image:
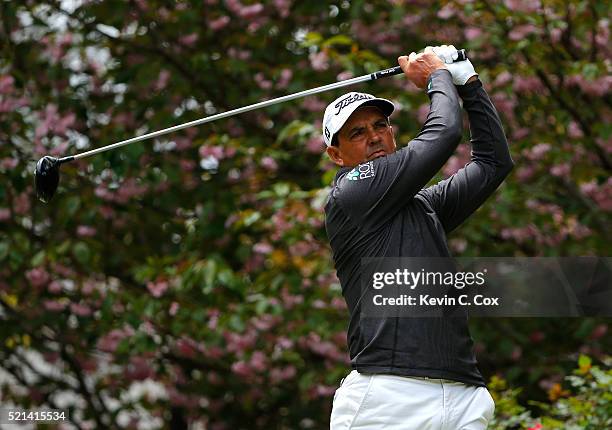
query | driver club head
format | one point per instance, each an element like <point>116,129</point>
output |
<point>46,177</point>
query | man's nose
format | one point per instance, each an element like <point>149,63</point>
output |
<point>372,135</point>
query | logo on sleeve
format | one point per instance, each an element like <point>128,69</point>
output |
<point>362,171</point>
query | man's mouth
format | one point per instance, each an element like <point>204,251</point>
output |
<point>379,153</point>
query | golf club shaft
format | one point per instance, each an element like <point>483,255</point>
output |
<point>369,77</point>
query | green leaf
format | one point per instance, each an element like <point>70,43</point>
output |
<point>81,252</point>
<point>4,248</point>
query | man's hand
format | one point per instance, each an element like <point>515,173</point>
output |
<point>462,71</point>
<point>418,67</point>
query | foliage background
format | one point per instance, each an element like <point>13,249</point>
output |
<point>188,279</point>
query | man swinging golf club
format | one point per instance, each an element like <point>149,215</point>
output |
<point>409,373</point>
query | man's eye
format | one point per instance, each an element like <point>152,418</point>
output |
<point>380,125</point>
<point>357,133</point>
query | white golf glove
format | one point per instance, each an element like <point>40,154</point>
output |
<point>461,71</point>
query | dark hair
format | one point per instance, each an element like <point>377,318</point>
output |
<point>334,141</point>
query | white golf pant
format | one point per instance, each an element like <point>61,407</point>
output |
<point>409,403</point>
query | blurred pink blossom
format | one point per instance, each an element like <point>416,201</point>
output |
<point>240,368</point>
<point>446,12</point>
<point>521,31</point>
<point>319,61</point>
<point>283,7</point>
<point>80,309</point>
<point>528,84</point>
<point>278,375</point>
<point>162,80</point>
<point>219,23</point>
<point>269,163</point>
<point>258,361</point>
<point>284,78</point>
<point>8,163</point>
<point>262,82</point>
<point>54,305</point>
<point>6,84</point>
<point>157,289</point>
<point>86,231</point>
<point>457,161</point>
<point>472,33</point>
<point>174,307</point>
<point>138,369</point>
<point>110,341</point>
<point>263,248</point>
<point>251,11</point>
<point>21,204</point>
<point>5,214</point>
<point>314,104</point>
<point>38,277</point>
<point>54,287</point>
<point>189,39</point>
<point>560,170</point>
<point>574,131</point>
<point>525,6</point>
<point>502,79</point>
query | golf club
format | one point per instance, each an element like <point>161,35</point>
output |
<point>46,174</point>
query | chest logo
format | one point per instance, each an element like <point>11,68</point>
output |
<point>362,171</point>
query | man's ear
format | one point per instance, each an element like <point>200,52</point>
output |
<point>334,153</point>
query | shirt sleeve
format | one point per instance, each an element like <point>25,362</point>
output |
<point>375,191</point>
<point>458,196</point>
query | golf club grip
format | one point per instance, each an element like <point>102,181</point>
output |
<point>398,70</point>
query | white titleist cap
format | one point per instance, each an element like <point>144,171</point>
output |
<point>338,111</point>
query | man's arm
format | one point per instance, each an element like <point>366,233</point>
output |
<point>397,177</point>
<point>457,197</point>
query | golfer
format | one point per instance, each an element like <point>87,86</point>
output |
<point>409,373</point>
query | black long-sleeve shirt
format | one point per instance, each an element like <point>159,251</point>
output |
<point>380,209</point>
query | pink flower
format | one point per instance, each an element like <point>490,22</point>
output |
<point>574,131</point>
<point>157,289</point>
<point>6,84</point>
<point>242,369</point>
<point>54,287</point>
<point>188,40</point>
<point>21,204</point>
<point>138,369</point>
<point>219,23</point>
<point>472,33</point>
<point>503,78</point>
<point>162,80</point>
<point>174,307</point>
<point>38,277</point>
<point>284,79</point>
<point>525,6</point>
<point>522,31</point>
<point>258,361</point>
<point>446,12</point>
<point>315,145</point>
<point>251,11</point>
<point>269,163</point>
<point>110,341</point>
<point>80,310</point>
<point>86,231</point>
<point>263,248</point>
<point>54,305</point>
<point>319,61</point>
<point>283,7</point>
<point>560,170</point>
<point>262,82</point>
<point>5,214</point>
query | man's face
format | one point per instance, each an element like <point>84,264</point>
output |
<point>364,136</point>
